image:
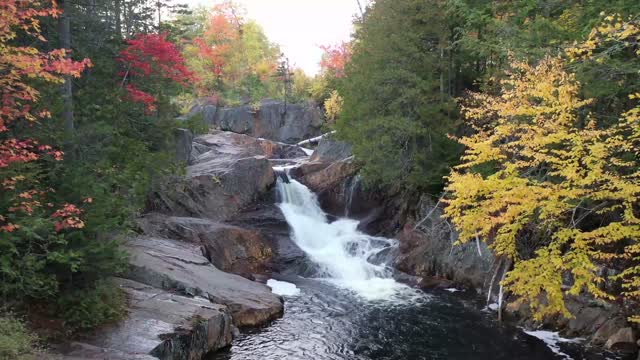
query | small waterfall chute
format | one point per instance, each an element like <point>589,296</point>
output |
<point>339,248</point>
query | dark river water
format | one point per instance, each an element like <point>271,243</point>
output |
<point>325,322</point>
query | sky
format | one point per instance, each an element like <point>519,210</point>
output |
<point>300,26</point>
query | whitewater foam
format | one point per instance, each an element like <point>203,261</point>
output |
<point>283,288</point>
<point>339,248</point>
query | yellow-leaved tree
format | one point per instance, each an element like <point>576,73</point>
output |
<point>549,186</point>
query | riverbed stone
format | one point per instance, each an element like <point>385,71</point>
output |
<point>159,325</point>
<point>624,340</point>
<point>180,266</point>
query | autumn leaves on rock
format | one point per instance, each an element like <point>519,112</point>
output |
<point>548,183</point>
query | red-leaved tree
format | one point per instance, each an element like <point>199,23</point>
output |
<point>147,59</point>
<point>19,67</point>
<point>335,58</point>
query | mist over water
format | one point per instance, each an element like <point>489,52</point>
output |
<point>342,252</point>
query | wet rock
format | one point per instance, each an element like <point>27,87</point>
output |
<point>433,282</point>
<point>328,181</point>
<point>518,308</point>
<point>240,251</point>
<point>624,340</point>
<point>589,316</point>
<point>269,120</point>
<point>180,266</point>
<point>160,325</point>
<point>330,176</point>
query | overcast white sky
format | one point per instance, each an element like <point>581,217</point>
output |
<point>300,26</point>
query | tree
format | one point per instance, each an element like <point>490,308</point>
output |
<point>41,235</point>
<point>394,114</point>
<point>548,184</point>
<point>152,58</point>
<point>333,106</point>
<point>335,58</point>
<point>20,64</point>
<point>286,76</point>
<point>232,57</point>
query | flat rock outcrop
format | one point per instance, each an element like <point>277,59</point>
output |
<point>160,325</point>
<point>230,248</point>
<point>180,266</point>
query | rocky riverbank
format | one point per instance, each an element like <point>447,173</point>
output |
<point>193,265</point>
<point>428,251</point>
<point>212,237</point>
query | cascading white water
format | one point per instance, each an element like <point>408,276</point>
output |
<point>342,252</point>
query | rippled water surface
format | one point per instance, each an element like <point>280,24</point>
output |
<point>326,322</point>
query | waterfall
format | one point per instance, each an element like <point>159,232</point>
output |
<point>342,252</point>
<point>349,190</point>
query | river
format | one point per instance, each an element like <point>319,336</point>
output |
<point>353,309</point>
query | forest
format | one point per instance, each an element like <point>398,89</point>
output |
<point>522,117</point>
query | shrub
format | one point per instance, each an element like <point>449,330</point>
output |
<point>16,342</point>
<point>85,309</point>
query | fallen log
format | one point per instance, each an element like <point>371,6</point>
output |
<point>315,140</point>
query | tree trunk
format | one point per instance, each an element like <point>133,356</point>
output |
<point>117,7</point>
<point>361,10</point>
<point>159,5</point>
<point>64,29</point>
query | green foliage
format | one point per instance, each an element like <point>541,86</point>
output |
<point>196,124</point>
<point>16,342</point>
<point>84,309</point>
<point>397,110</point>
<point>111,161</point>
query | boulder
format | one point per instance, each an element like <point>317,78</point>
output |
<point>237,250</point>
<point>331,150</point>
<point>329,177</point>
<point>287,258</point>
<point>624,340</point>
<point>331,182</point>
<point>607,330</point>
<point>269,120</point>
<point>180,266</point>
<point>228,172</point>
<point>229,248</point>
<point>215,189</point>
<point>160,325</point>
<point>589,316</point>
